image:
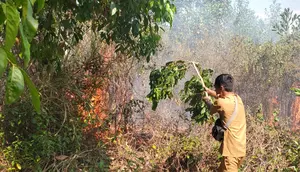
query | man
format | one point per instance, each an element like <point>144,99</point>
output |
<point>233,147</point>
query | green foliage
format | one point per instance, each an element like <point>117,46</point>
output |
<point>33,92</point>
<point>297,91</point>
<point>131,23</point>
<point>15,85</point>
<point>24,22</point>
<point>163,81</point>
<point>185,153</point>
<point>193,94</point>
<point>3,61</point>
<point>289,23</point>
<point>293,154</point>
<point>12,24</point>
<point>25,46</point>
<point>32,140</point>
<point>134,26</point>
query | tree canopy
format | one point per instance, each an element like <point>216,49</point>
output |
<point>43,30</point>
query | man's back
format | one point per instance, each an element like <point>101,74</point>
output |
<point>234,144</point>
<point>233,147</point>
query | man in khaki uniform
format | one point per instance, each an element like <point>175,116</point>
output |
<point>233,147</point>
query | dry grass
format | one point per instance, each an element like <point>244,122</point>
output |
<point>163,146</point>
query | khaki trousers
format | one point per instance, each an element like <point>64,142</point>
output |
<point>230,164</point>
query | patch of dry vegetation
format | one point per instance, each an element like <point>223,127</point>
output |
<point>164,146</point>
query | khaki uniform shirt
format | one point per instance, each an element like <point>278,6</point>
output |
<point>234,143</point>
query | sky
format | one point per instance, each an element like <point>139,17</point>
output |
<point>259,5</point>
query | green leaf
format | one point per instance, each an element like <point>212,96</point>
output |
<point>170,13</point>
<point>25,46</point>
<point>101,164</point>
<point>24,9</point>
<point>146,22</point>
<point>3,8</point>
<point>156,28</point>
<point>12,24</point>
<point>30,24</point>
<point>154,105</point>
<point>296,90</point>
<point>11,57</point>
<point>3,61</point>
<point>2,14</point>
<point>41,4</point>
<point>32,1</point>
<point>151,3</point>
<point>18,3</point>
<point>135,28</point>
<point>35,97</point>
<point>14,85</point>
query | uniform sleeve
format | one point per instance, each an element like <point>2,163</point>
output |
<point>216,107</point>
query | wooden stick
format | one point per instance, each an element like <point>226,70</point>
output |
<point>202,82</point>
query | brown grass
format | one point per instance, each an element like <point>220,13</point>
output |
<point>163,146</point>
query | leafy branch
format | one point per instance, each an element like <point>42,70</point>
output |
<point>289,23</point>
<point>163,81</point>
<point>20,25</point>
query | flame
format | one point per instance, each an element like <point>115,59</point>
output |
<point>296,114</point>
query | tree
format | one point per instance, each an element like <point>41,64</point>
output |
<point>132,25</point>
<point>197,18</point>
<point>273,17</point>
<point>289,25</point>
<point>245,23</point>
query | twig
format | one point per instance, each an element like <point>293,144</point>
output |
<point>65,117</point>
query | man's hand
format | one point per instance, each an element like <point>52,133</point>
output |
<point>208,101</point>
<point>211,92</point>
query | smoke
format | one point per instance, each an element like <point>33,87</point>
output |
<point>210,32</point>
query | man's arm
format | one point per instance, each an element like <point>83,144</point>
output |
<point>208,102</point>
<point>213,107</point>
<point>211,92</point>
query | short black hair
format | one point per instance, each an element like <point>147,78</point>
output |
<point>225,80</point>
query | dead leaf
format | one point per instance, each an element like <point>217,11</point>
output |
<point>61,157</point>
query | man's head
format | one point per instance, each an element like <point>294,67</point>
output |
<point>224,83</point>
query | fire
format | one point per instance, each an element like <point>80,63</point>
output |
<point>296,114</point>
<point>296,110</point>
